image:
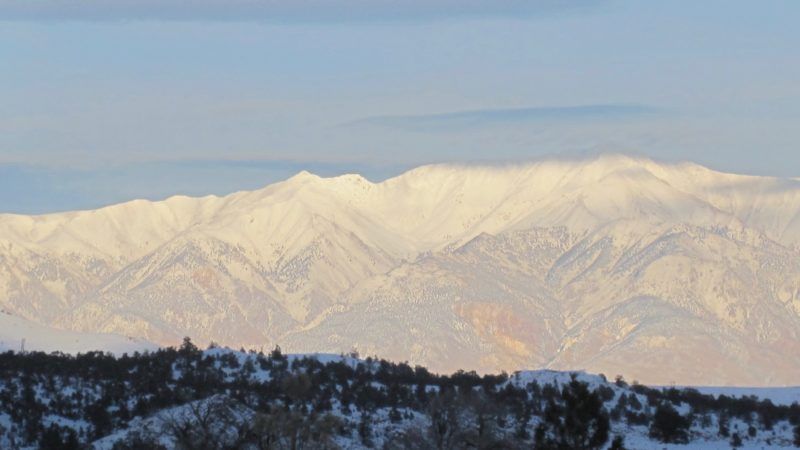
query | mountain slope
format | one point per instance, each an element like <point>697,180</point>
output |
<point>611,264</point>
<point>18,334</point>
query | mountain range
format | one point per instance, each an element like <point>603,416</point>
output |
<point>663,272</point>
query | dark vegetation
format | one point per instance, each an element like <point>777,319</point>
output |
<point>191,399</point>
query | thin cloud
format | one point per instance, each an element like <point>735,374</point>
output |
<point>279,10</point>
<point>490,117</point>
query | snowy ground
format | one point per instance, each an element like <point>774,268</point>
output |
<point>239,367</point>
<point>17,333</point>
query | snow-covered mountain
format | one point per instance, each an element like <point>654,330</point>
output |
<point>662,272</point>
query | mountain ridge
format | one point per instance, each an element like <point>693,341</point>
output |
<point>452,266</point>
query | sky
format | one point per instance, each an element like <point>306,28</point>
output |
<point>106,101</point>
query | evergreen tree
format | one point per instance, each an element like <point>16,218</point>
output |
<point>618,443</point>
<point>797,435</point>
<point>581,423</point>
<point>365,429</point>
<point>736,441</point>
<point>669,426</point>
<point>51,439</point>
<point>723,426</point>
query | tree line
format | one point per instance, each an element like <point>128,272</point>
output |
<point>217,399</point>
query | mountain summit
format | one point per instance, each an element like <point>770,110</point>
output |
<point>661,272</point>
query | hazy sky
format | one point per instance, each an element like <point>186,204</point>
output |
<point>103,101</point>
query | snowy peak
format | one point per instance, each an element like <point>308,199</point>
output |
<point>438,203</point>
<point>590,263</point>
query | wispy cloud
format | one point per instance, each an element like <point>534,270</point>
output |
<point>489,117</point>
<point>279,10</point>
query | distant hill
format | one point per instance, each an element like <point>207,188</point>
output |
<point>18,334</point>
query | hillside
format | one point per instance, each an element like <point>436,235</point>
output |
<point>667,273</point>
<point>221,399</point>
<point>21,335</point>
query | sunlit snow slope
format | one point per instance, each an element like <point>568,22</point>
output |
<point>662,272</point>
<point>18,334</point>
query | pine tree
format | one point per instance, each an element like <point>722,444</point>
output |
<point>581,423</point>
<point>736,441</point>
<point>723,426</point>
<point>51,439</point>
<point>669,426</point>
<point>365,429</point>
<point>797,435</point>
<point>618,443</point>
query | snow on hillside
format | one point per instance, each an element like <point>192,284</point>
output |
<point>231,399</point>
<point>18,334</point>
<point>614,264</point>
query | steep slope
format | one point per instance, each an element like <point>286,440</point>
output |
<point>678,305</point>
<point>611,264</point>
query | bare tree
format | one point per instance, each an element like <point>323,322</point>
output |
<point>285,429</point>
<point>210,424</point>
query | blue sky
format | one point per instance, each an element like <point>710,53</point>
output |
<point>102,101</point>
